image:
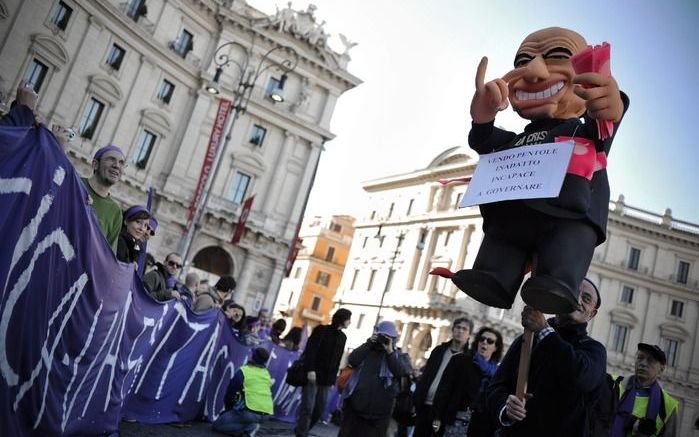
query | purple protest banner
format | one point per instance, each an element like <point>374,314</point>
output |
<point>82,343</point>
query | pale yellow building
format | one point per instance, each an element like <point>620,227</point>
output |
<point>307,295</point>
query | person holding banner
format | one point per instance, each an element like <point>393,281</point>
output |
<point>216,296</point>
<point>248,398</point>
<point>22,108</point>
<point>236,316</point>
<point>558,235</point>
<point>133,233</point>
<point>162,281</point>
<point>108,166</point>
<point>567,369</point>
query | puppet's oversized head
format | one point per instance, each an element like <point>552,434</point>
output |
<point>540,85</point>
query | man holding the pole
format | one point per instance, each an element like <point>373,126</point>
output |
<point>567,368</point>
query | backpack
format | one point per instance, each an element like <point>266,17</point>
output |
<point>404,408</point>
<point>296,374</point>
<point>601,410</point>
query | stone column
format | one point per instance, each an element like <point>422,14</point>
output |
<point>424,270</point>
<point>304,188</point>
<point>242,295</point>
<point>276,177</point>
<point>185,171</point>
<point>274,285</point>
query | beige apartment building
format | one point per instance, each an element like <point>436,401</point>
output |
<point>135,73</point>
<point>306,296</point>
<point>647,270</point>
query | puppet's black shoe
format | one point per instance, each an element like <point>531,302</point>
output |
<point>549,295</point>
<point>484,288</point>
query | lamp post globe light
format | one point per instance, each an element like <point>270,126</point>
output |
<point>279,57</point>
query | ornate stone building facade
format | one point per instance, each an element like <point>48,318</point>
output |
<point>307,295</point>
<point>134,73</point>
<point>647,271</point>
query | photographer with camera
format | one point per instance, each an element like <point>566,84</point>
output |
<point>373,386</point>
<point>645,409</point>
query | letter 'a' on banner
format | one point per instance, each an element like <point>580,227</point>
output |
<point>527,172</point>
<point>240,227</point>
<point>224,108</point>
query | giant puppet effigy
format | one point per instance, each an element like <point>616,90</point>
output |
<point>565,88</point>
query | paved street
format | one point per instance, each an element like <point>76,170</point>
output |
<point>271,428</point>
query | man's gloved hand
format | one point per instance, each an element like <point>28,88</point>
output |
<point>311,376</point>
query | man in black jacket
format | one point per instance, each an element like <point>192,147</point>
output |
<point>428,385</point>
<point>566,371</point>
<point>321,359</point>
<point>162,281</point>
<point>371,392</point>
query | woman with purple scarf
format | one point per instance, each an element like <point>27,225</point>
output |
<point>645,409</point>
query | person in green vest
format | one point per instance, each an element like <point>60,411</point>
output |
<point>108,166</point>
<point>248,397</point>
<point>645,409</point>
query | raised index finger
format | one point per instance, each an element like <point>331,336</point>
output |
<point>510,75</point>
<point>480,73</point>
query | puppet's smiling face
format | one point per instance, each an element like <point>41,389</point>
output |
<point>540,85</point>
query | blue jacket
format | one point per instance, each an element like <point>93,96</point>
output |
<point>566,371</point>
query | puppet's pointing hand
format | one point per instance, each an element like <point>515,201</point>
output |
<point>601,95</point>
<point>489,98</point>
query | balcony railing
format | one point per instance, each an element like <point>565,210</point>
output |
<point>313,315</point>
<point>665,220</point>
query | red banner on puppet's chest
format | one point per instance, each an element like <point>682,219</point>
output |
<point>586,160</point>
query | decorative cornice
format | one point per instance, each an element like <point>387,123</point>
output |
<point>640,226</point>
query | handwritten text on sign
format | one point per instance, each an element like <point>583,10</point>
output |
<point>527,172</point>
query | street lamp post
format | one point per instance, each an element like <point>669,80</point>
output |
<point>248,76</point>
<point>389,278</point>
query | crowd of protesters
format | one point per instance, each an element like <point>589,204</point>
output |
<point>467,387</point>
<point>462,390</point>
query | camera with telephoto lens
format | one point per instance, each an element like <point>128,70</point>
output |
<point>383,339</point>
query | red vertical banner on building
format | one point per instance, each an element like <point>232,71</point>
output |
<point>240,227</point>
<point>224,108</point>
<point>291,257</point>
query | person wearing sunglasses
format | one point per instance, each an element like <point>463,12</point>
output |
<point>487,348</point>
<point>462,383</point>
<point>161,282</point>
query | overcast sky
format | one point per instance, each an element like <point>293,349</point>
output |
<point>418,60</point>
